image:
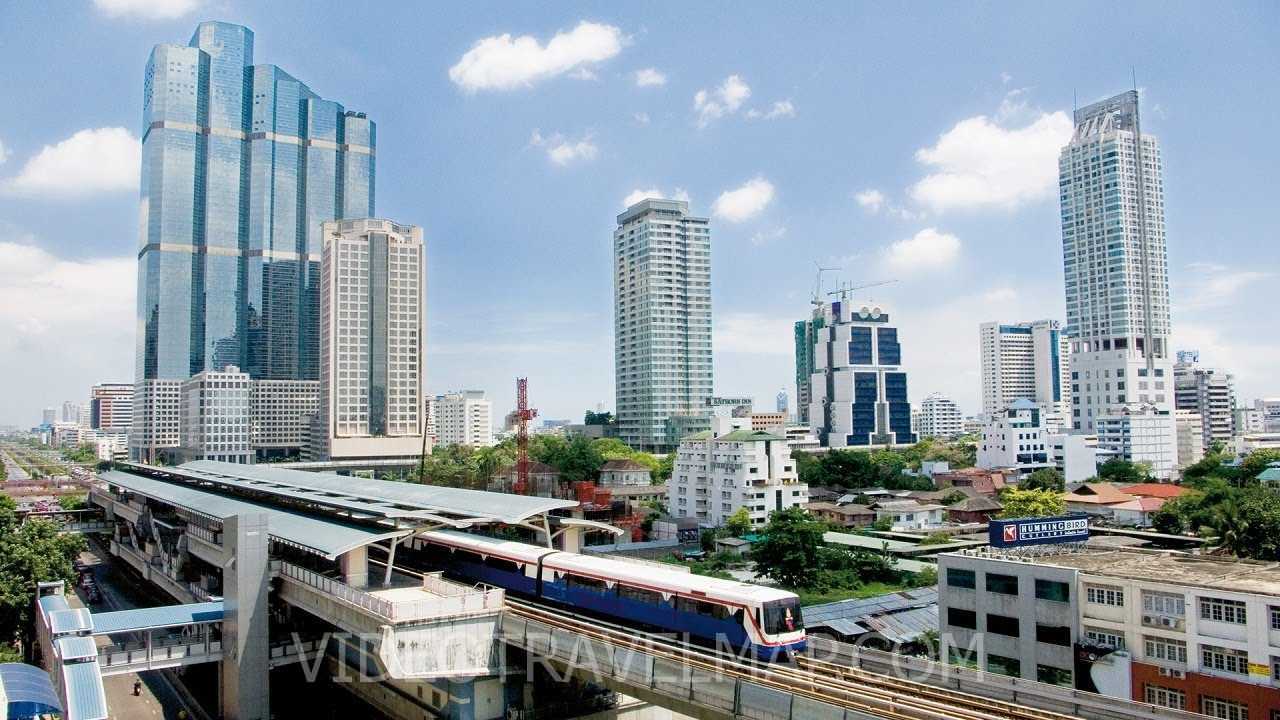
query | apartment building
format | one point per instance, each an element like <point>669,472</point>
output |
<point>1187,632</point>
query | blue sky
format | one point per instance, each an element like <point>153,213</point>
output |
<point>915,142</point>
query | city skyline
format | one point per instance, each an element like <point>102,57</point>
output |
<point>916,207</point>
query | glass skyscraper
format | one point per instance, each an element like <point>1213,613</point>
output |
<point>1115,261</point>
<point>241,164</point>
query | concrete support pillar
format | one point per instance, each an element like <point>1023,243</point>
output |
<point>355,567</point>
<point>571,539</point>
<point>245,660</point>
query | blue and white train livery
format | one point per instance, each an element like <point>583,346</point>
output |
<point>764,620</point>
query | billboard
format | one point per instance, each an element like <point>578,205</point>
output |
<point>1038,531</point>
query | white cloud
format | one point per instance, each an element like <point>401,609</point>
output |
<point>562,151</point>
<point>584,74</point>
<point>503,62</point>
<point>1213,285</point>
<point>870,200</point>
<point>753,333</point>
<point>745,202</point>
<point>725,100</point>
<point>980,163</point>
<point>654,193</point>
<point>147,9</point>
<point>927,249</point>
<point>780,109</point>
<point>764,237</point>
<point>99,160</point>
<point>650,77</point>
<point>641,118</point>
<point>4,153</point>
<point>64,325</point>
<point>1005,78</point>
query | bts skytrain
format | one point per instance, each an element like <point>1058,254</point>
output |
<point>763,620</point>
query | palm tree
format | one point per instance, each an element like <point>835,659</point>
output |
<point>1232,528</point>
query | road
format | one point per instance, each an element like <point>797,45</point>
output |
<point>157,698</point>
<point>12,469</point>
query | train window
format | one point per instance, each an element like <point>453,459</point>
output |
<point>635,594</point>
<point>585,583</point>
<point>782,616</point>
<point>701,607</point>
<point>502,564</point>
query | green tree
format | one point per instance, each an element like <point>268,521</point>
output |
<point>1020,503</point>
<point>789,551</point>
<point>707,541</point>
<point>29,553</point>
<point>739,523</point>
<point>1044,479</point>
<point>953,497</point>
<point>1255,463</point>
<point>1256,524</point>
<point>597,418</point>
<point>1123,471</point>
<point>665,467</point>
<point>73,502</point>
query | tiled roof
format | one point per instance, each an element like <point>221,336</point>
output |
<point>1098,494</point>
<point>623,465</point>
<point>1155,490</point>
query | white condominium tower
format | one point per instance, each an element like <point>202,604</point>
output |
<point>939,418</point>
<point>463,418</point>
<point>662,320</point>
<point>1116,267</point>
<point>1025,361</point>
<point>371,342</point>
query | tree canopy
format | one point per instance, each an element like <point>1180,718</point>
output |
<point>29,553</point>
<point>788,553</point>
<point>855,469</point>
<point>1122,471</point>
<point>1044,479</point>
<point>1019,503</point>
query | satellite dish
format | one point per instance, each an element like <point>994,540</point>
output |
<point>875,313</point>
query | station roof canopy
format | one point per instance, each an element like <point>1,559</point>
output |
<point>372,498</point>
<point>27,691</point>
<point>329,537</point>
<point>157,617</point>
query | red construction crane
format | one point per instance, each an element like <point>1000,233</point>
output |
<point>523,415</point>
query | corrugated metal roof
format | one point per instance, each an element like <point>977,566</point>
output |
<point>86,698</point>
<point>321,535</point>
<point>76,647</point>
<point>29,688</point>
<point>74,620</point>
<point>157,617</point>
<point>53,603</point>
<point>502,507</point>
<point>898,617</point>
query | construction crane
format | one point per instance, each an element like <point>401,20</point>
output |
<point>846,290</point>
<point>524,414</point>
<point>817,285</point>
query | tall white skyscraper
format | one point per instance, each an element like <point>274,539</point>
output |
<point>373,276</point>
<point>1025,361</point>
<point>463,418</point>
<point>1116,267</point>
<point>939,418</point>
<point>662,321</point>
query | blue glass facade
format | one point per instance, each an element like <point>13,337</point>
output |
<point>895,393</point>
<point>240,166</point>
<point>865,395</point>
<point>887,346</point>
<point>860,346</point>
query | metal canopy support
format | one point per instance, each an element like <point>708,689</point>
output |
<point>391,560</point>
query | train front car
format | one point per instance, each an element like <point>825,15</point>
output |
<point>722,614</point>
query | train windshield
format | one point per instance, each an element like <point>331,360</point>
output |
<point>782,616</point>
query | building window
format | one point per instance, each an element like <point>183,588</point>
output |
<point>1103,638</point>
<point>1165,697</point>
<point>1002,665</point>
<point>1164,649</point>
<point>963,658</point>
<point>1104,595</point>
<point>1227,611</point>
<point>1223,659</point>
<point>1053,590</point>
<point>1275,667</point>
<point>1053,675</point>
<point>962,618</point>
<point>1275,617</point>
<point>1002,625</point>
<point>961,578</point>
<point>1225,709</point>
<point>1053,634</point>
<point>1003,584</point>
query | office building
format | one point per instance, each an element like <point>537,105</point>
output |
<point>939,418</point>
<point>730,467</point>
<point>1025,361</point>
<point>1016,439</point>
<point>48,417</point>
<point>1190,433</point>
<point>373,277</point>
<point>1248,420</point>
<point>111,406</point>
<point>1140,434</point>
<point>280,416</point>
<point>1074,455</point>
<point>806,344</point>
<point>782,403</point>
<point>1115,263</point>
<point>662,320</point>
<point>1208,392</point>
<point>859,390</point>
<point>464,418</point>
<point>214,416</point>
<point>70,412</point>
<point>1187,632</point>
<point>157,421</point>
<point>241,163</point>
<point>1269,409</point>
